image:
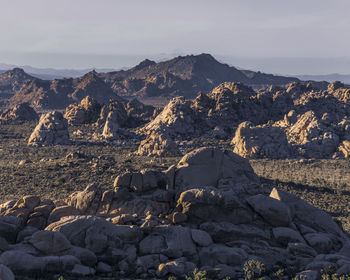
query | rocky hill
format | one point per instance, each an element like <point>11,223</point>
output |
<point>184,75</point>
<point>11,81</point>
<point>181,76</point>
<point>59,93</point>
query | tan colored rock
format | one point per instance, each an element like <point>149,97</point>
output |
<point>119,116</point>
<point>62,211</point>
<point>20,112</point>
<point>52,129</point>
<point>344,149</point>
<point>313,136</point>
<point>112,128</point>
<point>87,111</point>
<point>177,118</point>
<point>259,142</point>
<point>158,144</point>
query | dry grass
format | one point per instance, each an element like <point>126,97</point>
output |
<point>323,183</point>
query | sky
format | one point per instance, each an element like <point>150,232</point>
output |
<point>278,36</point>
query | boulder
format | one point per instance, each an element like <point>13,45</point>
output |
<point>273,211</point>
<point>52,129</point>
<point>6,273</point>
<point>260,142</point>
<point>49,242</point>
<point>177,118</point>
<point>158,144</point>
<point>207,166</point>
<point>80,230</point>
<point>85,112</point>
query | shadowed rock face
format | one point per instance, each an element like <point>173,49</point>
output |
<point>52,129</point>
<point>207,211</point>
<point>21,112</point>
<point>58,94</point>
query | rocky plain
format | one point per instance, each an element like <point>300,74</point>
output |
<point>185,169</point>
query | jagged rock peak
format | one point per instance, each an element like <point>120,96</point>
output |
<point>143,64</point>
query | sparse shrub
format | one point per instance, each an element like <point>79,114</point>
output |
<point>172,277</point>
<point>197,275</point>
<point>279,274</point>
<point>253,269</point>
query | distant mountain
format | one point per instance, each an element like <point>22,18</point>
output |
<point>150,81</point>
<point>50,73</point>
<point>329,78</point>
<point>184,75</point>
<point>59,93</point>
<point>11,81</point>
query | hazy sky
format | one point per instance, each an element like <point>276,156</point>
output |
<point>113,33</point>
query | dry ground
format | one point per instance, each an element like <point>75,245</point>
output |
<point>48,173</point>
<point>323,183</point>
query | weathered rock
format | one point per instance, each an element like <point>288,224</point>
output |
<point>272,210</point>
<point>286,235</point>
<point>260,142</point>
<point>49,242</point>
<point>62,211</point>
<point>313,136</point>
<point>6,273</point>
<point>86,112</point>
<point>201,238</point>
<point>20,112</point>
<point>80,229</point>
<point>52,129</point>
<point>117,111</point>
<point>207,166</point>
<point>9,227</point>
<point>221,254</point>
<point>23,263</point>
<point>158,144</point>
<point>177,118</point>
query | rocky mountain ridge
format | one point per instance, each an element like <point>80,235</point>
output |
<point>181,76</point>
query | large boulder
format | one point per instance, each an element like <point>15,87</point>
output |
<point>158,144</point>
<point>85,112</point>
<point>95,233</point>
<point>177,118</point>
<point>259,142</point>
<point>213,167</point>
<point>120,115</point>
<point>52,129</point>
<point>312,136</point>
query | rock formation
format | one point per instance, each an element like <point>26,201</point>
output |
<point>112,106</point>
<point>86,112</point>
<point>177,118</point>
<point>21,112</point>
<point>313,136</point>
<point>261,142</point>
<point>207,212</point>
<point>52,129</point>
<point>157,144</point>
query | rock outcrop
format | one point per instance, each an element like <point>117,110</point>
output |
<point>157,144</point>
<point>86,112</point>
<point>208,212</point>
<point>21,112</point>
<point>261,142</point>
<point>52,129</point>
<point>177,118</point>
